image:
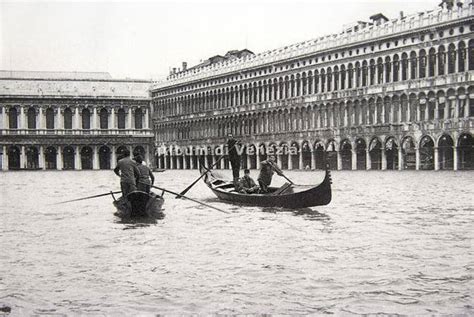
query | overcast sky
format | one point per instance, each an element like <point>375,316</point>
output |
<point>145,39</point>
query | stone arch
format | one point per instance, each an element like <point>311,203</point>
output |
<point>319,154</point>
<point>465,145</point>
<point>331,154</point>
<point>375,153</point>
<point>32,157</point>
<point>408,153</point>
<point>31,115</point>
<point>13,157</point>
<point>445,152</point>
<point>426,149</point>
<point>50,156</point>
<point>391,153</point>
<point>306,152</point>
<point>86,119</point>
<point>68,158</point>
<point>104,157</point>
<point>361,154</point>
<point>346,154</point>
<point>86,158</point>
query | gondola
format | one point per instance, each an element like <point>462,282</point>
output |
<point>139,204</point>
<point>287,196</point>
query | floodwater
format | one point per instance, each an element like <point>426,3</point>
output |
<point>389,243</point>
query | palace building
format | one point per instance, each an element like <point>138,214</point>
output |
<point>382,94</point>
<point>71,121</point>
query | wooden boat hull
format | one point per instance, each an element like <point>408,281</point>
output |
<point>139,204</point>
<point>296,196</point>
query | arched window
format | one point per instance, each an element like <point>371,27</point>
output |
<point>451,59</point>
<point>104,119</point>
<point>31,118</point>
<point>431,62</point>
<point>414,65</point>
<point>461,57</point>
<point>422,64</point>
<point>67,118</point>
<point>404,66</point>
<point>471,55</point>
<point>396,68</point>
<point>441,60</point>
<point>86,119</point>
<point>13,118</point>
<point>50,118</point>
<point>138,119</point>
<point>372,72</point>
<point>364,73</point>
<point>388,69</point>
<point>121,119</point>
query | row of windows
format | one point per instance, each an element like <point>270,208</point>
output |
<point>31,115</point>
<point>402,67</point>
<point>418,39</point>
<point>387,111</point>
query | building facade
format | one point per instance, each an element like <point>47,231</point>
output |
<point>385,94</point>
<point>71,121</point>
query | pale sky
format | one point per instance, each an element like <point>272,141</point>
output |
<point>145,39</point>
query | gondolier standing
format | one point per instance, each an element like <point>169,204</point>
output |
<point>268,167</point>
<point>128,172</point>
<point>234,157</point>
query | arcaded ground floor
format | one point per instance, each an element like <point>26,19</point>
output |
<point>66,157</point>
<point>426,152</point>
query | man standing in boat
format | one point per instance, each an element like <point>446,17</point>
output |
<point>267,169</point>
<point>128,172</point>
<point>146,178</point>
<point>234,157</point>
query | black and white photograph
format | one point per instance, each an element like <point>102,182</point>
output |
<point>237,157</point>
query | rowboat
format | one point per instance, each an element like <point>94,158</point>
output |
<point>287,196</point>
<point>139,204</point>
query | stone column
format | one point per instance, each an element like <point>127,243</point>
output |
<point>4,154</point>
<point>313,160</point>
<point>41,161</point>
<point>95,157</point>
<point>3,122</point>
<point>400,159</point>
<point>384,159</point>
<point>248,161</point>
<point>76,119</point>
<point>22,157</point>
<point>436,158</point>
<point>185,162</point>
<point>112,124</point>
<point>77,158</point>
<point>339,160</point>
<point>94,118</point>
<point>368,160</point>
<point>417,158</point>
<point>59,158</point>
<point>165,161</point>
<point>22,120</point>
<point>147,156</point>
<point>258,161</point>
<point>279,163</point>
<point>354,159</point>
<point>41,120</point>
<point>172,163</point>
<point>290,161</point>
<point>129,119</point>
<point>146,121</point>
<point>455,158</point>
<point>113,158</point>
<point>301,159</point>
<point>60,123</point>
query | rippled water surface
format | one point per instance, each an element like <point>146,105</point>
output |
<point>390,242</point>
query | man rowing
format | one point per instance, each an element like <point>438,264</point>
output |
<point>267,169</point>
<point>146,178</point>
<point>128,172</point>
<point>234,157</point>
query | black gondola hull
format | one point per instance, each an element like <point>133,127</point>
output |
<point>139,205</point>
<point>296,197</point>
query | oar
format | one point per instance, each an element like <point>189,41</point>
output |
<point>191,199</point>
<point>202,175</point>
<point>281,174</point>
<point>88,197</point>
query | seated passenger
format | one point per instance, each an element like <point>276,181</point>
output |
<point>247,184</point>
